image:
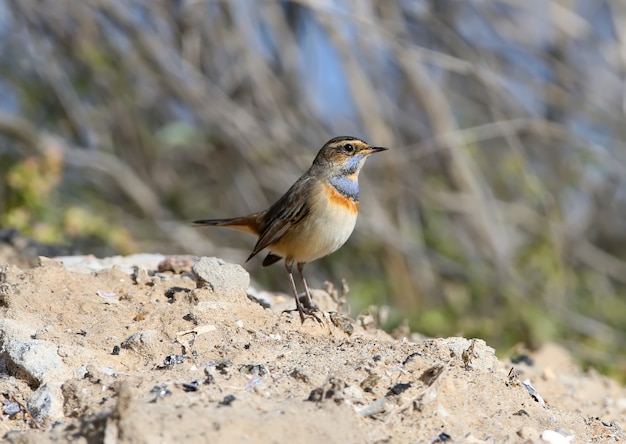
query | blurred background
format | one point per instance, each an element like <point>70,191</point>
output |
<point>498,211</point>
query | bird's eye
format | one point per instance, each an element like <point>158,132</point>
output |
<point>348,148</point>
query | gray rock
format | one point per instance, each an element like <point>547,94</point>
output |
<point>482,356</point>
<point>48,262</point>
<point>353,392</point>
<point>34,360</point>
<point>143,342</point>
<point>46,403</point>
<point>220,280</point>
<point>80,372</point>
<point>10,329</point>
<point>6,291</point>
<point>109,371</point>
<point>127,264</point>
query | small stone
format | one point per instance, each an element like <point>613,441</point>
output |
<point>353,392</point>
<point>47,262</point>
<point>374,408</point>
<point>10,329</point>
<point>35,361</point>
<point>177,263</point>
<point>209,372</point>
<point>443,437</point>
<point>254,369</point>
<point>139,275</point>
<point>6,290</point>
<point>553,437</point>
<point>222,365</point>
<point>190,387</point>
<point>398,388</point>
<point>109,371</point>
<point>409,358</point>
<point>46,403</point>
<point>174,359</point>
<point>160,392</point>
<point>81,372</point>
<point>225,282</point>
<point>11,408</point>
<point>228,400</point>
<point>316,395</point>
<point>484,357</point>
<point>142,342</point>
<point>533,393</point>
<point>523,359</point>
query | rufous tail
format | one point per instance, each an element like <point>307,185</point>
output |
<point>247,224</point>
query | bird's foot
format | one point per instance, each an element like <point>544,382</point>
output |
<point>305,312</point>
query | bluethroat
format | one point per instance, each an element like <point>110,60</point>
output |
<point>314,217</point>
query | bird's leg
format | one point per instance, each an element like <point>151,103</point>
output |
<point>301,310</point>
<point>309,300</point>
<point>288,265</point>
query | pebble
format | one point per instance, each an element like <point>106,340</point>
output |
<point>225,282</point>
<point>127,264</point>
<point>552,437</point>
<point>353,392</point>
<point>373,408</point>
<point>484,357</point>
<point>46,403</point>
<point>143,341</point>
<point>10,329</point>
<point>34,360</point>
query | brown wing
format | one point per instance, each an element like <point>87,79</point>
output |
<point>284,214</point>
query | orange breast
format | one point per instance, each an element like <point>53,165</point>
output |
<point>339,200</point>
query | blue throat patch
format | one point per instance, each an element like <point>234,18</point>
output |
<point>352,164</point>
<point>346,186</point>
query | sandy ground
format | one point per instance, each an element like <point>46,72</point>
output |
<point>128,354</point>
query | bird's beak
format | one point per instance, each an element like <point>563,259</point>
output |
<point>377,149</point>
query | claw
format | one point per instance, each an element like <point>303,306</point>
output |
<point>304,312</point>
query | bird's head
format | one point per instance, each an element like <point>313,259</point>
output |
<point>344,155</point>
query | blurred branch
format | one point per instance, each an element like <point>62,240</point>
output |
<point>461,170</point>
<point>124,177</point>
<point>619,24</point>
<point>186,83</point>
<point>601,261</point>
<point>363,91</point>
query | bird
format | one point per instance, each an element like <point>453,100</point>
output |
<point>314,218</point>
